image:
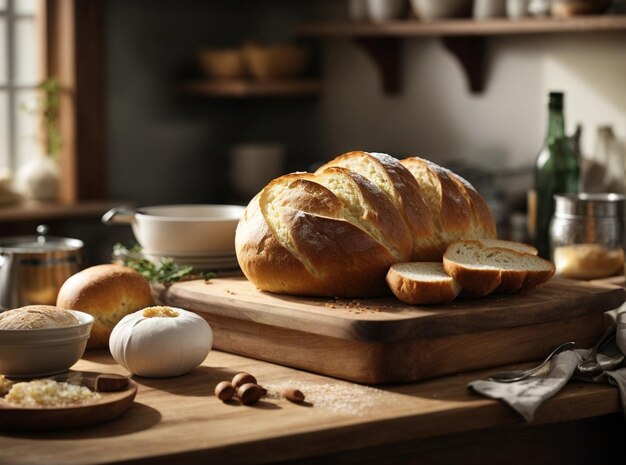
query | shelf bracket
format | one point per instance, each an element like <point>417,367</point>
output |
<point>470,52</point>
<point>386,53</point>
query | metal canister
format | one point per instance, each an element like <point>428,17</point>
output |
<point>587,235</point>
<point>33,268</point>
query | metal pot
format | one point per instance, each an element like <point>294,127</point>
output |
<point>33,268</point>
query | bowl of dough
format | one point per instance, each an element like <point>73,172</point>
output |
<point>41,340</point>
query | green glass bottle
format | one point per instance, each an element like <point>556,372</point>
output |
<point>557,171</point>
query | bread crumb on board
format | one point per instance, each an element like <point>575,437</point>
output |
<point>354,306</point>
<point>342,398</point>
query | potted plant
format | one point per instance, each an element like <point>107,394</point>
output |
<point>39,178</point>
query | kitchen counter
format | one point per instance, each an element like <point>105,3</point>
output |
<point>179,420</point>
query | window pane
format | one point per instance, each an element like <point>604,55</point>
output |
<point>27,129</point>
<point>5,159</point>
<point>4,74</point>
<point>25,7</point>
<point>26,53</point>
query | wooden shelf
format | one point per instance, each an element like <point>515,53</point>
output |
<point>464,27</point>
<point>241,88</point>
<point>465,39</point>
<point>43,211</point>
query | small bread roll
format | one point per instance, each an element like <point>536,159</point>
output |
<point>37,317</point>
<point>108,293</point>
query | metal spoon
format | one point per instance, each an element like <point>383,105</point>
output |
<point>518,375</point>
<point>591,365</point>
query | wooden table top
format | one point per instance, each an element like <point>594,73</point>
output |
<point>179,420</point>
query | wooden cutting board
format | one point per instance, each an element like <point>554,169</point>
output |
<point>378,341</point>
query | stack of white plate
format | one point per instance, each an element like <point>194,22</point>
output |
<point>201,236</point>
<point>215,261</point>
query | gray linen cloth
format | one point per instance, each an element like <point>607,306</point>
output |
<point>526,396</point>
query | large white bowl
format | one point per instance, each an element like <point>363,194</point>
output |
<point>27,353</point>
<point>174,230</point>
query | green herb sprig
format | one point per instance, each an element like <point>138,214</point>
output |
<point>166,271</point>
<point>47,107</point>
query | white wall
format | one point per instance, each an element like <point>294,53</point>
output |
<point>436,116</point>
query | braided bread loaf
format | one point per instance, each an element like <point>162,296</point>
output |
<point>336,232</point>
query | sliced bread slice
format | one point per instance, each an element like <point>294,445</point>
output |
<point>517,246</point>
<point>422,283</point>
<point>482,270</point>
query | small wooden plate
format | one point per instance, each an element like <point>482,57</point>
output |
<point>109,406</point>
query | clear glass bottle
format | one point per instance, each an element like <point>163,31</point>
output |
<point>587,235</point>
<point>609,149</point>
<point>557,171</point>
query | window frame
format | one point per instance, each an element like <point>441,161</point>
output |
<point>73,34</point>
<point>10,86</point>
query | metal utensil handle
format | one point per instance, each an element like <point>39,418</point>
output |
<point>119,215</point>
<point>591,364</point>
<point>518,375</point>
<point>563,347</point>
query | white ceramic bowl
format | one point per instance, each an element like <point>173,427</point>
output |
<point>176,230</point>
<point>385,10</point>
<point>441,9</point>
<point>27,353</point>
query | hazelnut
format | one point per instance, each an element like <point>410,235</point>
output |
<point>243,378</point>
<point>250,393</point>
<point>225,390</point>
<point>293,394</point>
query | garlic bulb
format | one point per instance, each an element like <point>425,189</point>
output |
<point>160,342</point>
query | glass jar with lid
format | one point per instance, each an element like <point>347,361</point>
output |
<point>587,235</point>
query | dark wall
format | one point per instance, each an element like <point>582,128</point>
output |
<point>168,148</point>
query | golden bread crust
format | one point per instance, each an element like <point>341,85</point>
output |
<point>317,253</point>
<point>402,189</point>
<point>337,231</point>
<point>449,206</point>
<point>107,292</point>
<point>483,224</point>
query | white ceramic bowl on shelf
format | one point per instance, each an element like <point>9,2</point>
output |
<point>385,10</point>
<point>181,229</point>
<point>28,353</point>
<point>442,9</point>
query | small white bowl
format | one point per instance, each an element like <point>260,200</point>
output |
<point>429,10</point>
<point>385,10</point>
<point>28,353</point>
<point>181,229</point>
